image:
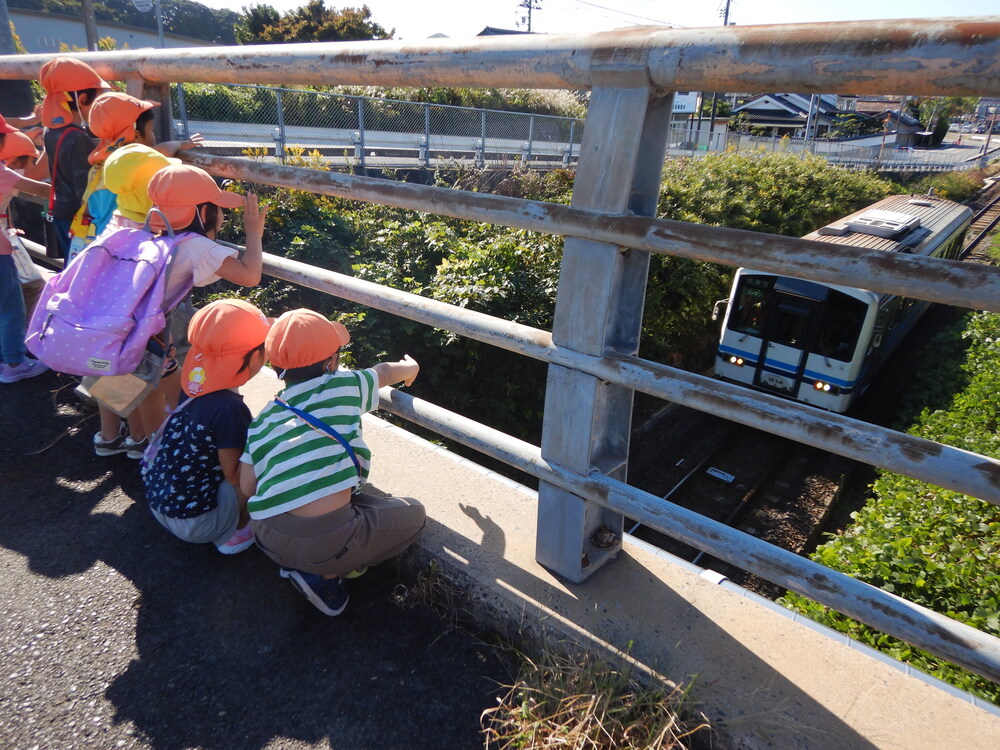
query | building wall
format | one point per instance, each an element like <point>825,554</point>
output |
<point>44,32</point>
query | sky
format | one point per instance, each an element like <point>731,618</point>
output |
<point>419,19</point>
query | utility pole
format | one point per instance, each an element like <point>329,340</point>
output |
<point>711,122</point>
<point>530,5</point>
<point>90,24</point>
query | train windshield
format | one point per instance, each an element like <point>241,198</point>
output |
<point>749,311</point>
<point>843,317</point>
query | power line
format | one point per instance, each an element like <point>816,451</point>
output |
<point>623,13</point>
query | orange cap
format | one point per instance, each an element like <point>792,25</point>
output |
<point>177,190</point>
<point>16,144</point>
<point>222,333</point>
<point>59,77</point>
<point>112,119</point>
<point>303,337</point>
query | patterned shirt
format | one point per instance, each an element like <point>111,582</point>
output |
<point>295,463</point>
<point>183,481</point>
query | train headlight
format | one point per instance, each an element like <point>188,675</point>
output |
<point>819,385</point>
<point>734,360</point>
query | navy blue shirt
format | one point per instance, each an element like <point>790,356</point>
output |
<point>184,479</point>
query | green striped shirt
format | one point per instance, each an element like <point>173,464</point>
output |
<point>296,463</point>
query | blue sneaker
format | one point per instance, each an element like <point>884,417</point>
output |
<point>328,595</point>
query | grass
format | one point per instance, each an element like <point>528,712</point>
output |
<point>564,698</point>
<point>578,702</point>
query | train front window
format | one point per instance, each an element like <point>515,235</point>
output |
<point>791,323</point>
<point>842,321</point>
<point>749,313</point>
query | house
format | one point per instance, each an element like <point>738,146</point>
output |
<point>786,114</point>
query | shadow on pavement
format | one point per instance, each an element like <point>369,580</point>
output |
<point>115,634</point>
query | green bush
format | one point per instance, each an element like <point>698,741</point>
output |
<point>934,547</point>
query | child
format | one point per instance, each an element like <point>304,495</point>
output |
<point>300,478</point>
<point>192,483</point>
<point>71,87</point>
<point>118,120</point>
<point>127,172</point>
<point>16,152</point>
<point>192,203</point>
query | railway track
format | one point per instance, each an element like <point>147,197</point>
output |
<point>765,485</point>
<point>983,223</point>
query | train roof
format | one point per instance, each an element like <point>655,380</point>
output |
<point>899,223</point>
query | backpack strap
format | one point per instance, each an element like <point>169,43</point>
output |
<point>321,426</point>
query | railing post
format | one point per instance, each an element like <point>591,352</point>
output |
<point>182,110</point>
<point>359,148</point>
<point>572,135</point>
<point>598,309</point>
<point>531,138</point>
<point>481,151</point>
<point>425,147</point>
<point>279,145</point>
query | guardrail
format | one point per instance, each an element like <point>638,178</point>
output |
<point>610,233</point>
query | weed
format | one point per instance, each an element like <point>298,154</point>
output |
<point>579,702</point>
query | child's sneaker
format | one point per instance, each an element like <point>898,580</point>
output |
<point>135,448</point>
<point>328,595</point>
<point>241,540</point>
<point>357,572</point>
<point>27,369</point>
<point>111,447</point>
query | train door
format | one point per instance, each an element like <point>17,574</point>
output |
<point>786,343</point>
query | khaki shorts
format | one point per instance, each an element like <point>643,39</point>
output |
<point>367,531</point>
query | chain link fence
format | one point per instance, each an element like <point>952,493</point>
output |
<point>357,131</point>
<point>368,132</point>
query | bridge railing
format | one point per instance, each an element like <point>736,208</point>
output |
<point>372,131</point>
<point>610,233</point>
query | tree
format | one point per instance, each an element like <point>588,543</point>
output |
<point>852,124</point>
<point>253,23</point>
<point>313,22</point>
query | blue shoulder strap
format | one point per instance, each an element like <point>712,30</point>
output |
<point>318,424</point>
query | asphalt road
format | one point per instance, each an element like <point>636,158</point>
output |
<point>113,634</point>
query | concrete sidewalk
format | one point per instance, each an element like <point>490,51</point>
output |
<point>766,678</point>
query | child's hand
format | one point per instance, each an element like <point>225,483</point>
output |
<point>411,363</point>
<point>197,139</point>
<point>253,216</point>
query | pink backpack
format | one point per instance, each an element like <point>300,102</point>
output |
<point>95,317</point>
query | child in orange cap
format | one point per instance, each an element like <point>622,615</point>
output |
<point>191,202</point>
<point>71,87</point>
<point>16,153</point>
<point>192,483</point>
<point>306,459</point>
<point>118,120</point>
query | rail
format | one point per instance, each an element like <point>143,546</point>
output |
<point>610,234</point>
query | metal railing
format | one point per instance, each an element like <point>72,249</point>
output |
<point>610,234</point>
<point>365,131</point>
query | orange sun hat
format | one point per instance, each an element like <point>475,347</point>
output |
<point>178,190</point>
<point>16,144</point>
<point>303,337</point>
<point>222,333</point>
<point>112,119</point>
<point>60,77</point>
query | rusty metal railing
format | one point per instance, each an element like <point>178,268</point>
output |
<point>611,232</point>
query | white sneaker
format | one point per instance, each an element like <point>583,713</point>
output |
<point>27,369</point>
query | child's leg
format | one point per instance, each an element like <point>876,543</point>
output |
<point>391,525</point>
<point>153,411</point>
<point>12,318</point>
<point>111,423</point>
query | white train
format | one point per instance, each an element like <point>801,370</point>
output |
<point>820,343</point>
